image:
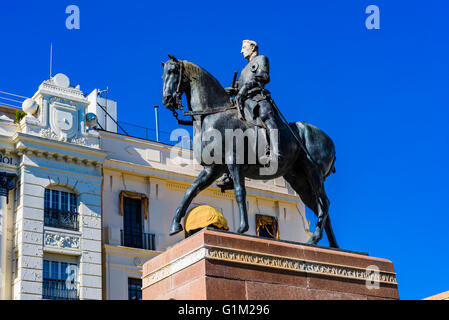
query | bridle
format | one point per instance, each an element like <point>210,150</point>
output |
<point>178,93</point>
<point>177,97</point>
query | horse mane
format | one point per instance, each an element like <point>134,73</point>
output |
<point>212,91</point>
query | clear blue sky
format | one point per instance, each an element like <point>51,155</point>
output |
<point>382,95</point>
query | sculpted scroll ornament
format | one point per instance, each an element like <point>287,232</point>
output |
<point>48,133</point>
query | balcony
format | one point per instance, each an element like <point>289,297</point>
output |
<point>138,240</point>
<point>58,290</point>
<point>61,219</point>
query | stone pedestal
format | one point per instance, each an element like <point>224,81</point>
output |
<point>217,265</point>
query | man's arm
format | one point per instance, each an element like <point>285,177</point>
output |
<point>262,74</point>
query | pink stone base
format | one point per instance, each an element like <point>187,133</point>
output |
<point>185,272</point>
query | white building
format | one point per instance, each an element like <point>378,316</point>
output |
<point>90,207</point>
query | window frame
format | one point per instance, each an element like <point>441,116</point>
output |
<point>58,283</point>
<point>130,290</point>
<point>59,202</point>
<point>262,221</point>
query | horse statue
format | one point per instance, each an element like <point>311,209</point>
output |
<point>212,110</point>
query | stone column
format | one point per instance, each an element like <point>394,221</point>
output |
<point>6,244</point>
<point>90,261</point>
<point>2,248</point>
<point>29,224</point>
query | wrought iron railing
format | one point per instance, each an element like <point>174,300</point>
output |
<point>58,290</point>
<point>61,219</point>
<point>138,240</point>
<point>147,133</point>
<point>11,99</point>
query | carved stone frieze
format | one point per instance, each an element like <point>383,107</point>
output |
<point>268,261</point>
<point>61,240</point>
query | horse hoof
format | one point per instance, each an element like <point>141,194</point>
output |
<point>243,229</point>
<point>175,228</point>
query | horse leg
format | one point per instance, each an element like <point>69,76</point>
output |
<point>330,233</point>
<point>316,200</point>
<point>204,180</point>
<point>240,195</point>
<point>322,215</point>
<point>323,220</point>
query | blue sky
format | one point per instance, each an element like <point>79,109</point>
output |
<point>382,95</point>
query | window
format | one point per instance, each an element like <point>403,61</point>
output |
<point>267,227</point>
<point>132,223</point>
<point>134,289</point>
<point>60,281</point>
<point>132,234</point>
<point>60,209</point>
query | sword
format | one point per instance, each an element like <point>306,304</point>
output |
<point>234,80</point>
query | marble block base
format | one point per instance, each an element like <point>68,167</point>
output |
<point>217,265</point>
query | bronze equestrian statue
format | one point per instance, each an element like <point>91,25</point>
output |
<point>302,153</point>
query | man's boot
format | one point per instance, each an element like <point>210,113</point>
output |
<point>273,153</point>
<point>225,183</point>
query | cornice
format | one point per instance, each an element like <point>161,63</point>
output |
<point>61,151</point>
<point>184,181</point>
<point>127,251</point>
<point>49,89</point>
<point>264,260</point>
<point>138,141</point>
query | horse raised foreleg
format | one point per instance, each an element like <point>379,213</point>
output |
<point>240,195</point>
<point>204,180</point>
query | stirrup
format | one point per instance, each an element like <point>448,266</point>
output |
<point>225,184</point>
<point>269,158</point>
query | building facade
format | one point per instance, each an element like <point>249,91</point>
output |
<point>51,223</point>
<point>83,209</point>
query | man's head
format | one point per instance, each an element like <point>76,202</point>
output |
<point>250,49</point>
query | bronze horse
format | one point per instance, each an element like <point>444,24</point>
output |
<point>212,109</point>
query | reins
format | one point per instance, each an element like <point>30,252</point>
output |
<point>179,106</point>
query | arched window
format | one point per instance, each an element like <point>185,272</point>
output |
<point>60,209</point>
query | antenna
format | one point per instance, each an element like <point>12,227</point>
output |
<point>157,122</point>
<point>105,108</point>
<point>51,57</point>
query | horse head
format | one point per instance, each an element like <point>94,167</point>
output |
<point>172,81</point>
<point>186,77</point>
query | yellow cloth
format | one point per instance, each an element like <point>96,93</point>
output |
<point>204,216</point>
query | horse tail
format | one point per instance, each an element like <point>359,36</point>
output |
<point>319,145</point>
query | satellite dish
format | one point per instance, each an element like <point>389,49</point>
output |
<point>61,80</point>
<point>91,120</point>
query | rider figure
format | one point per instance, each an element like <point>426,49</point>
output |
<point>251,94</point>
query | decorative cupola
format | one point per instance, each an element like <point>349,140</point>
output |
<point>58,111</point>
